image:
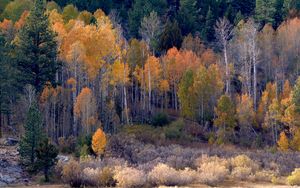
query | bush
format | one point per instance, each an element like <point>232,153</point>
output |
<point>90,176</point>
<point>71,174</point>
<point>162,174</point>
<point>213,170</point>
<point>174,130</point>
<point>243,161</point>
<point>160,119</point>
<point>129,177</point>
<point>294,178</point>
<point>212,173</point>
<point>106,177</point>
<point>241,173</point>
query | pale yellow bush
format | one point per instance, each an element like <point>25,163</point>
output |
<point>294,178</point>
<point>207,159</point>
<point>129,177</point>
<point>244,161</point>
<point>91,176</point>
<point>241,173</point>
<point>212,173</point>
<point>263,176</point>
<point>72,174</point>
<point>162,174</point>
<point>106,177</point>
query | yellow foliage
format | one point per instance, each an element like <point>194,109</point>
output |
<point>283,142</point>
<point>99,142</point>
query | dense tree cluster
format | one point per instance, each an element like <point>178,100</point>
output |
<point>84,65</point>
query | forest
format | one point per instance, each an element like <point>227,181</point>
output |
<point>138,93</point>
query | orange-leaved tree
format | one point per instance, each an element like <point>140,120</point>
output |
<point>99,142</point>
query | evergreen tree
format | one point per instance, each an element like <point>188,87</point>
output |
<point>140,9</point>
<point>265,11</point>
<point>171,36</point>
<point>209,26</point>
<point>187,16</point>
<point>37,49</point>
<point>32,137</point>
<point>9,87</point>
<point>278,15</point>
<point>46,154</point>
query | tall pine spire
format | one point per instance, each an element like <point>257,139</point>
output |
<point>37,49</point>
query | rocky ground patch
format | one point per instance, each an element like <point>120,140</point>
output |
<point>10,169</point>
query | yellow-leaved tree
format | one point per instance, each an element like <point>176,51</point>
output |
<point>99,142</point>
<point>283,142</point>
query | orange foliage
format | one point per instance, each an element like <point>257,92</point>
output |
<point>20,23</point>
<point>99,142</point>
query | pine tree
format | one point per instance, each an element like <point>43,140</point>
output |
<point>187,16</point>
<point>171,36</point>
<point>209,26</point>
<point>46,154</point>
<point>37,49</point>
<point>265,11</point>
<point>32,137</point>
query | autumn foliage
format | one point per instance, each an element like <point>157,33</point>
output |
<point>99,142</point>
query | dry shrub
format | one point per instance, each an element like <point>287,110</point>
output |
<point>204,159</point>
<point>106,177</point>
<point>90,176</point>
<point>71,174</point>
<point>263,176</point>
<point>129,177</point>
<point>213,172</point>
<point>98,177</point>
<point>294,178</point>
<point>162,174</point>
<point>241,173</point>
<point>244,161</point>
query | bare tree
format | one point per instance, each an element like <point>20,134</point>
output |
<point>151,29</point>
<point>224,32</point>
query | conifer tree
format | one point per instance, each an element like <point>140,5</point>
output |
<point>46,154</point>
<point>37,49</point>
<point>265,11</point>
<point>32,137</point>
<point>209,26</point>
<point>188,16</point>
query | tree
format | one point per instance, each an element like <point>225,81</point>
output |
<point>85,109</point>
<point>37,55</point>
<point>99,142</point>
<point>225,114</point>
<point>70,12</point>
<point>32,137</point>
<point>265,11</point>
<point>171,36</point>
<point>187,16</point>
<point>207,88</point>
<point>140,9</point>
<point>46,154</point>
<point>224,32</point>
<point>185,95</point>
<point>209,26</point>
<point>246,116</point>
<point>150,30</point>
<point>283,142</point>
<point>15,9</point>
